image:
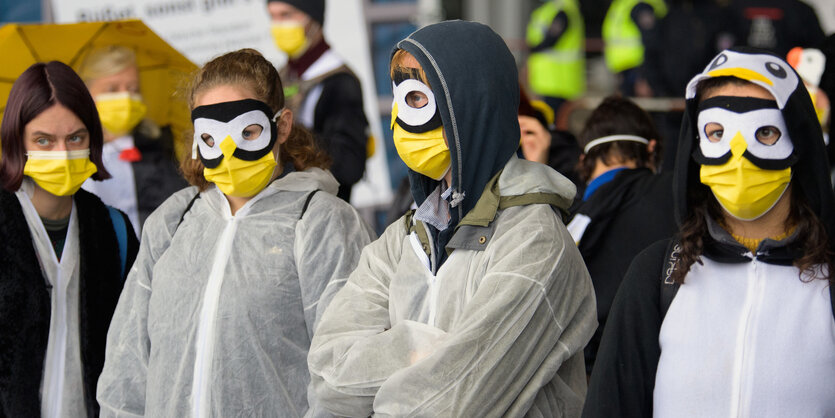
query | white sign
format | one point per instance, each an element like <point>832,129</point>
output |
<point>202,29</point>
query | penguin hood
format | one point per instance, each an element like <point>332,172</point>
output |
<point>810,168</point>
<point>473,77</point>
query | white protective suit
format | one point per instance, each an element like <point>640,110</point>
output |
<point>498,331</point>
<point>216,319</point>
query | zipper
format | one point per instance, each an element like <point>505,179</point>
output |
<point>753,294</point>
<point>433,299</point>
<point>204,350</point>
<point>59,350</point>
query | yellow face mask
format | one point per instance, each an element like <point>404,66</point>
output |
<point>290,38</point>
<point>240,178</point>
<point>120,112</point>
<point>425,153</point>
<point>59,172</point>
<point>746,191</point>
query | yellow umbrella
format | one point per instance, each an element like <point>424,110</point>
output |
<point>162,69</point>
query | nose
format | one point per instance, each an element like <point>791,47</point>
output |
<point>60,145</point>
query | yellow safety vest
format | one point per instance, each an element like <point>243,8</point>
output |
<point>560,71</point>
<point>623,47</point>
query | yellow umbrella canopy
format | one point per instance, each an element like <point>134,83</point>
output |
<point>162,69</point>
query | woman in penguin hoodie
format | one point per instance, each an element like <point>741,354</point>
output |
<point>734,316</point>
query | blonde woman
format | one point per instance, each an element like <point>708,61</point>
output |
<point>138,153</point>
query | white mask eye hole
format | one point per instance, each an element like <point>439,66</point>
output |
<point>252,132</point>
<point>416,99</point>
<point>768,135</point>
<point>208,140</point>
<point>714,132</point>
<point>415,102</point>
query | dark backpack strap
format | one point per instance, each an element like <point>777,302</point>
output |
<point>307,203</point>
<point>669,288</point>
<point>304,87</point>
<point>121,230</point>
<point>188,208</point>
<point>832,298</point>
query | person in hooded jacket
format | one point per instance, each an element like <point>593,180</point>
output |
<point>63,253</point>
<point>477,303</point>
<point>734,316</point>
<point>218,311</point>
<point>626,206</point>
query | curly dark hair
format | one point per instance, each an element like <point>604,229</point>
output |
<point>811,232</point>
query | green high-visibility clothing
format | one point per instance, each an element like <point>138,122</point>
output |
<point>623,46</point>
<point>561,70</point>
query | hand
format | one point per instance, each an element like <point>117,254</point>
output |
<point>536,140</point>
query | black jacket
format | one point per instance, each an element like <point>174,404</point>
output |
<point>25,302</point>
<point>156,175</point>
<point>340,128</point>
<point>627,215</point>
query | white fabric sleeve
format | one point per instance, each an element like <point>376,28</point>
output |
<point>328,242</point>
<point>533,310</point>
<point>352,334</point>
<point>121,386</point>
<point>329,239</point>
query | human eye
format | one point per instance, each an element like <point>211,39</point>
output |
<point>416,99</point>
<point>252,132</point>
<point>768,135</point>
<point>43,142</point>
<point>75,139</point>
<point>208,139</point>
<point>714,132</point>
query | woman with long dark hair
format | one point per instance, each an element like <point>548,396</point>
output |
<point>63,253</point>
<point>733,317</point>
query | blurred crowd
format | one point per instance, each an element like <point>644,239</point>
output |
<point>672,264</point>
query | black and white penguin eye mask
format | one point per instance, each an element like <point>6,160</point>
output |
<point>765,70</point>
<point>247,122</point>
<point>759,121</point>
<point>417,110</point>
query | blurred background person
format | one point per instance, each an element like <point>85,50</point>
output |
<point>138,154</point>
<point>324,94</point>
<point>625,207</point>
<point>233,273</point>
<point>777,25</point>
<point>556,64</point>
<point>542,142</point>
<point>64,253</point>
<point>624,26</point>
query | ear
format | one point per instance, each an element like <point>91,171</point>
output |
<point>651,146</point>
<point>582,158</point>
<point>285,125</point>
